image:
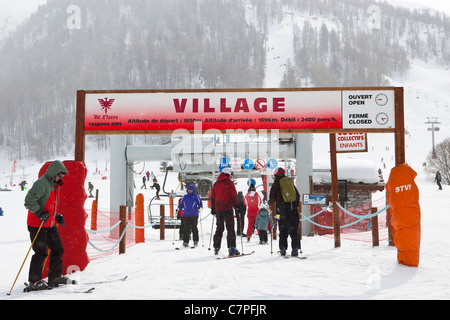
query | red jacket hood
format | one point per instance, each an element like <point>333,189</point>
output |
<point>222,176</point>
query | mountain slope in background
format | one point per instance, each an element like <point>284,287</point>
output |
<point>198,44</point>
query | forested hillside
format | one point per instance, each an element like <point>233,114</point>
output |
<point>170,44</point>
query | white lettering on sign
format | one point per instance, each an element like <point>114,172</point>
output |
<point>403,188</point>
<point>240,105</point>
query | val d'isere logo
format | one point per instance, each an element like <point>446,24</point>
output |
<point>106,104</point>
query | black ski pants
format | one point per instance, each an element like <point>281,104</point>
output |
<point>225,218</point>
<point>288,224</point>
<point>47,237</point>
<point>189,226</point>
<point>240,219</point>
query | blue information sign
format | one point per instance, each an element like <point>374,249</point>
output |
<point>248,164</point>
<point>224,163</point>
<point>272,163</point>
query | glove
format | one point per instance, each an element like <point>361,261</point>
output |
<point>43,215</point>
<point>60,219</point>
<point>213,211</point>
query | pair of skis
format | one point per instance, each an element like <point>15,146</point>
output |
<point>301,257</point>
<point>180,248</point>
<point>88,284</point>
<point>236,255</point>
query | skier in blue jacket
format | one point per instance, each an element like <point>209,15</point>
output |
<point>191,204</point>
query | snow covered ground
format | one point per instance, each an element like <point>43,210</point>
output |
<point>156,271</point>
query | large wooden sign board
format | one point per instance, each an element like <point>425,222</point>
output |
<point>304,110</point>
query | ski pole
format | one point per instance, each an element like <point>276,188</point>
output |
<point>240,228</point>
<point>271,238</point>
<point>201,226</point>
<point>32,243</point>
<point>174,228</point>
<point>210,237</point>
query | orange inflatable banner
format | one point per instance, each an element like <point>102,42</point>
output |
<point>403,199</point>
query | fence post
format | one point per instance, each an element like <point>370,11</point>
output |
<point>161,223</point>
<point>123,223</point>
<point>94,215</point>
<point>171,207</point>
<point>375,235</point>
<point>139,234</point>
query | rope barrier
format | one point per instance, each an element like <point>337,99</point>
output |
<point>115,245</point>
<point>304,218</point>
<point>360,218</point>
<point>363,217</point>
<point>102,231</point>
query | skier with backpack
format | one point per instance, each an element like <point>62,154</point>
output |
<point>286,198</point>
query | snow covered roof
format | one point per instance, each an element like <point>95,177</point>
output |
<point>352,170</point>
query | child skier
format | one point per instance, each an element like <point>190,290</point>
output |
<point>263,222</point>
<point>253,201</point>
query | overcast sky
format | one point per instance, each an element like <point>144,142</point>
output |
<point>441,5</point>
<point>19,10</point>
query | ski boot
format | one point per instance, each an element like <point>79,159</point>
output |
<point>216,251</point>
<point>233,252</point>
<point>294,252</point>
<point>36,286</point>
<point>283,252</point>
<point>55,282</point>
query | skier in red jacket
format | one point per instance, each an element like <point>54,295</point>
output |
<point>43,217</point>
<point>223,199</point>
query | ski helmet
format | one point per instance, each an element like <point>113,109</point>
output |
<point>279,170</point>
<point>227,171</point>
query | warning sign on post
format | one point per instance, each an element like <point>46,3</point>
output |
<point>260,164</point>
<point>351,142</point>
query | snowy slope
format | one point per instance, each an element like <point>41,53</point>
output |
<point>354,271</point>
<point>156,271</point>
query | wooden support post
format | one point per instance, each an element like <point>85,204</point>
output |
<point>123,223</point>
<point>334,191</point>
<point>161,223</point>
<point>79,126</point>
<point>399,127</point>
<point>375,235</point>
